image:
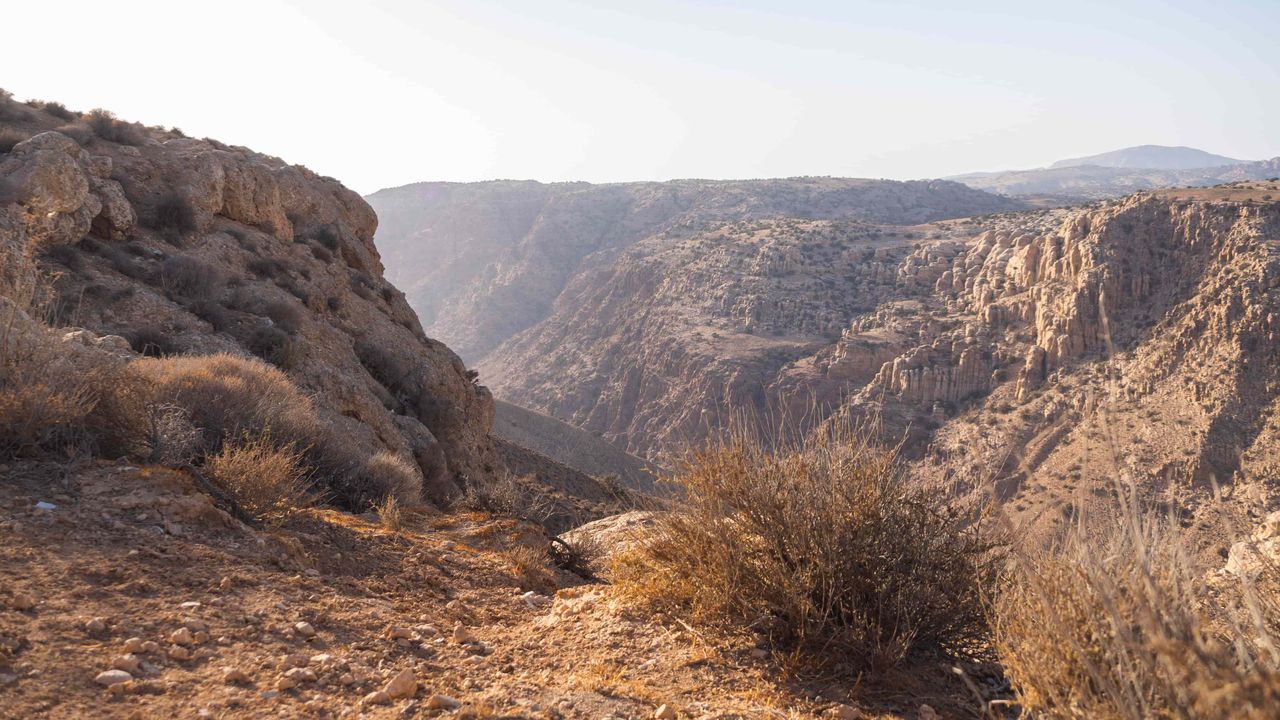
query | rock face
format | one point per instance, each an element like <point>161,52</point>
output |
<point>193,247</point>
<point>1025,352</point>
<point>485,261</point>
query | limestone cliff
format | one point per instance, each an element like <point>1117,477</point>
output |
<point>188,246</point>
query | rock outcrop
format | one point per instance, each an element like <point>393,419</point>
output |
<point>485,261</point>
<point>189,246</point>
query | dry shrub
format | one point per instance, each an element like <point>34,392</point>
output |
<point>824,543</point>
<point>389,514</point>
<point>105,125</point>
<point>263,478</point>
<point>393,476</point>
<point>9,139</point>
<point>505,495</point>
<point>529,567</point>
<point>285,315</point>
<point>152,341</point>
<point>228,397</point>
<point>1117,623</point>
<point>190,277</point>
<point>173,215</point>
<point>45,396</point>
<point>275,346</point>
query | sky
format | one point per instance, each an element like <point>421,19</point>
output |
<point>381,93</point>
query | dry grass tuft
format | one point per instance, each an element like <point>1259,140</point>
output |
<point>389,514</point>
<point>264,479</point>
<point>825,545</point>
<point>529,566</point>
<point>1117,623</point>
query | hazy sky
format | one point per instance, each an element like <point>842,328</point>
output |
<point>381,93</point>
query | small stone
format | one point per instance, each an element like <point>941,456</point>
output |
<point>194,624</point>
<point>179,653</point>
<point>234,675</point>
<point>928,713</point>
<point>134,645</point>
<point>443,702</point>
<point>112,677</point>
<point>182,636</point>
<point>463,636</point>
<point>427,631</point>
<point>301,675</point>
<point>347,679</point>
<point>270,694</point>
<point>398,633</point>
<point>376,698</point>
<point>845,712</point>
<point>128,663</point>
<point>304,629</point>
<point>151,646</point>
<point>189,605</point>
<point>402,686</point>
<point>286,683</point>
<point>96,626</point>
<point>665,712</point>
<point>22,602</point>
<point>535,600</point>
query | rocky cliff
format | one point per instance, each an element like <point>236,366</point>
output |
<point>484,261</point>
<point>1025,351</point>
<point>192,247</point>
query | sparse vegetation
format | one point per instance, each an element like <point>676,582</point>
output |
<point>1116,622</point>
<point>105,125</point>
<point>275,346</point>
<point>152,341</point>
<point>173,215</point>
<point>826,543</point>
<point>263,478</point>
<point>189,277</point>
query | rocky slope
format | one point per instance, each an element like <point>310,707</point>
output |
<point>573,447</point>
<point>485,261</point>
<point>1037,353</point>
<point>192,247</point>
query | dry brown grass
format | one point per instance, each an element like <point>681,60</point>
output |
<point>1115,622</point>
<point>529,567</point>
<point>390,514</point>
<point>264,479</point>
<point>46,392</point>
<point>825,545</point>
<point>395,477</point>
<point>228,396</point>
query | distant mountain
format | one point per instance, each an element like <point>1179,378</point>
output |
<point>1067,185</point>
<point>1154,157</point>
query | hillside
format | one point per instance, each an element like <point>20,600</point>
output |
<point>981,340</point>
<point>1152,157</point>
<point>572,447</point>
<point>485,261</point>
<point>165,246</point>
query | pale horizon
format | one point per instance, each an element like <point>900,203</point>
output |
<point>385,94</point>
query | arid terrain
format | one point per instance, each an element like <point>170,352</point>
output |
<point>798,448</point>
